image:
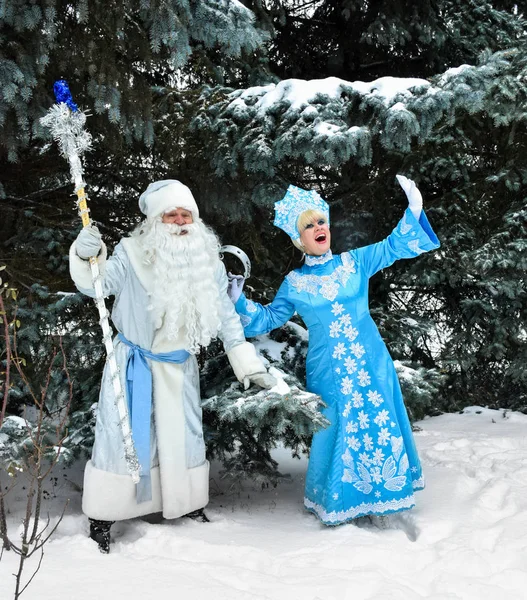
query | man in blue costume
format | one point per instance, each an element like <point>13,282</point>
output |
<point>365,463</point>
<point>170,290</point>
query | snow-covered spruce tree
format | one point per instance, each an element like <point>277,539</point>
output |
<point>112,54</point>
<point>484,287</point>
<point>457,315</point>
<point>115,58</point>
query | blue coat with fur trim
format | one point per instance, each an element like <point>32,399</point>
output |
<point>365,462</point>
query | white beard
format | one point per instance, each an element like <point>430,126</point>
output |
<point>185,297</point>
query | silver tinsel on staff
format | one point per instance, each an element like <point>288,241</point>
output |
<point>66,123</point>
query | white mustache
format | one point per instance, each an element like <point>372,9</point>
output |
<point>176,229</point>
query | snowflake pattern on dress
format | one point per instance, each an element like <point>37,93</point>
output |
<point>404,226</point>
<point>251,306</point>
<point>414,247</point>
<point>374,456</point>
<point>245,320</point>
<point>326,285</point>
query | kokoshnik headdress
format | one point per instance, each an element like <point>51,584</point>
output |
<point>293,204</point>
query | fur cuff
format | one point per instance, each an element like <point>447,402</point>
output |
<point>80,269</point>
<point>244,361</point>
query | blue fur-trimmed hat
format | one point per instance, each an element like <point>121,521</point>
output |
<point>293,204</point>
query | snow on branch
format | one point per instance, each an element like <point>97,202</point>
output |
<point>328,122</point>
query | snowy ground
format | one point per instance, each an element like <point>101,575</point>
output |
<point>470,526</point>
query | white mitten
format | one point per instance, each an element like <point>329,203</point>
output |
<point>88,242</point>
<point>235,287</point>
<point>415,200</point>
<point>264,380</point>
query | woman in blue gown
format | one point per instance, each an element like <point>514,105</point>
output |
<point>365,462</point>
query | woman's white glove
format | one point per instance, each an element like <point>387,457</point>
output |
<point>264,380</point>
<point>235,286</point>
<point>88,242</point>
<point>415,200</point>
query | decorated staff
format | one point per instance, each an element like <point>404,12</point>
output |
<point>66,123</point>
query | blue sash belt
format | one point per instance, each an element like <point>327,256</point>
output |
<point>139,384</point>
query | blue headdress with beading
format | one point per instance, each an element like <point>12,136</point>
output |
<point>293,204</point>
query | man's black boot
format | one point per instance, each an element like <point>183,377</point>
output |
<point>198,515</point>
<point>100,533</point>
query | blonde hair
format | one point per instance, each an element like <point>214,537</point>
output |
<point>304,218</point>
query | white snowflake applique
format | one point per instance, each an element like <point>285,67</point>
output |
<point>337,370</point>
<point>337,308</point>
<point>329,289</point>
<point>350,364</point>
<point>353,442</point>
<point>339,351</point>
<point>357,349</point>
<point>364,378</point>
<point>347,410</point>
<point>345,320</point>
<point>351,333</point>
<point>381,418</point>
<point>281,209</point>
<point>364,420</point>
<point>347,459</point>
<point>347,385</point>
<point>404,227</point>
<point>367,440</point>
<point>375,398</point>
<point>335,496</point>
<point>334,329</point>
<point>365,459</point>
<point>378,457</point>
<point>352,427</point>
<point>383,437</point>
<point>245,320</point>
<point>414,247</point>
<point>376,474</point>
<point>358,400</point>
<point>251,306</point>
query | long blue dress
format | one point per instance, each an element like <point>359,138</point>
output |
<point>365,462</point>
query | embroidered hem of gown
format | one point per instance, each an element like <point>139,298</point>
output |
<point>366,508</point>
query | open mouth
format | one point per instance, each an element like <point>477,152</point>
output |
<point>320,238</point>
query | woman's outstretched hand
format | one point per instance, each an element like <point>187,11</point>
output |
<point>415,200</point>
<point>235,286</point>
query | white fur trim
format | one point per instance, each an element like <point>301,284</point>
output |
<point>161,196</point>
<point>112,497</point>
<point>176,489</point>
<point>136,255</point>
<point>244,361</point>
<point>80,269</point>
